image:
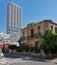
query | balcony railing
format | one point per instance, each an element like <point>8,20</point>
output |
<point>37,35</point>
<point>31,37</point>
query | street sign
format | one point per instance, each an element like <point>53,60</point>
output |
<point>1,46</point>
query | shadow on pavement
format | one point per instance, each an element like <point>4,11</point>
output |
<point>55,63</point>
<point>7,55</point>
<point>27,58</point>
<point>37,59</point>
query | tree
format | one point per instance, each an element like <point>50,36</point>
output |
<point>49,42</point>
<point>32,49</point>
<point>12,47</point>
<point>19,41</point>
<point>36,49</point>
<point>19,49</point>
<point>26,48</point>
<point>30,24</point>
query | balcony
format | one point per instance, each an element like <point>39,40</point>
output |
<point>32,37</point>
<point>37,35</point>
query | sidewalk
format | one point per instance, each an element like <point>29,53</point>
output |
<point>3,61</point>
<point>54,60</point>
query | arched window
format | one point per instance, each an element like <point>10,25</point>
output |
<point>51,27</point>
<point>23,34</point>
<point>55,29</point>
<point>38,29</point>
<point>32,33</point>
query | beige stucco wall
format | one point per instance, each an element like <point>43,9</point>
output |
<point>53,26</point>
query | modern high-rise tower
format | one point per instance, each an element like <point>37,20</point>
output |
<point>14,21</point>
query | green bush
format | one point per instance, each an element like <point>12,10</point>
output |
<point>12,46</point>
<point>27,48</point>
<point>32,49</point>
<point>19,49</point>
<point>37,49</point>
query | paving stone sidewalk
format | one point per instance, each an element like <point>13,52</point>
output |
<point>3,61</point>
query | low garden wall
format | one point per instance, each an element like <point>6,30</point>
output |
<point>32,54</point>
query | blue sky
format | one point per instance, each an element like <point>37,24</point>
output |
<point>32,11</point>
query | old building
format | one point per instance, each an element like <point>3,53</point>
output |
<point>32,33</point>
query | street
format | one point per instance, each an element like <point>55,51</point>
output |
<point>25,60</point>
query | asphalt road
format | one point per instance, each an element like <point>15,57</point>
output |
<point>25,60</point>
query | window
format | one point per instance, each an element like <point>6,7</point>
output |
<point>55,29</point>
<point>51,27</point>
<point>23,33</point>
<point>38,29</point>
<point>32,33</point>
